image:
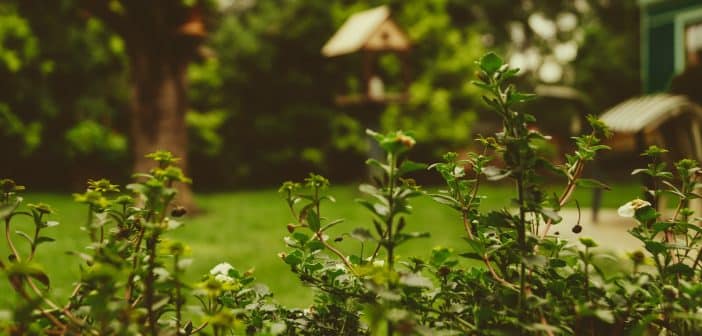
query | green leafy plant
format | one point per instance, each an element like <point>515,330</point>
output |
<point>513,276</point>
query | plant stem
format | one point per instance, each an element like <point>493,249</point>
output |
<point>521,232</point>
<point>9,240</point>
<point>149,284</point>
<point>335,251</point>
<point>135,264</point>
<point>391,217</point>
<point>178,303</point>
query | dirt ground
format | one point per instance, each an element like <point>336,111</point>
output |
<point>610,231</point>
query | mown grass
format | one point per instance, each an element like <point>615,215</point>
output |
<point>246,229</point>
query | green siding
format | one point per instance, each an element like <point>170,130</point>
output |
<point>659,41</point>
<point>661,56</point>
<point>670,6</point>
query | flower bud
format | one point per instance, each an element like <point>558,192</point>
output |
<point>482,76</point>
<point>406,141</point>
<point>7,185</point>
<point>670,292</point>
<point>638,257</point>
<point>178,211</point>
<point>444,271</point>
<point>577,229</point>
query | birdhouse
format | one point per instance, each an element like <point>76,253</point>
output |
<point>372,33</point>
<point>194,25</point>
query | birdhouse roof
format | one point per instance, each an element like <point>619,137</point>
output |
<point>648,112</point>
<point>371,30</point>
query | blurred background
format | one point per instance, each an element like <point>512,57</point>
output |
<point>251,93</point>
<point>258,97</point>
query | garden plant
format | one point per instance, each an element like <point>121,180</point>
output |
<point>514,276</point>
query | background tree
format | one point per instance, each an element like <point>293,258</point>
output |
<point>62,94</point>
<point>82,70</point>
<point>162,38</point>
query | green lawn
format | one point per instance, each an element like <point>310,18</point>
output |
<point>246,229</point>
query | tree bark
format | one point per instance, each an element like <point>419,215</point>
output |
<point>158,107</point>
<point>162,38</point>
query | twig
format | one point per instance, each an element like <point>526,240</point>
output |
<point>566,193</point>
<point>335,251</point>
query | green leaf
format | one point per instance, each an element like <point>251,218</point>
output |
<point>361,234</point>
<point>645,214</point>
<point>552,215</point>
<point>300,237</point>
<point>476,246</point>
<point>314,245</point>
<point>518,97</point>
<point>588,242</point>
<point>681,269</point>
<point>490,63</point>
<point>376,163</point>
<point>447,200</point>
<point>416,280</point>
<point>471,255</point>
<point>29,269</point>
<point>655,247</point>
<point>495,174</point>
<point>591,184</point>
<point>294,258</point>
<point>605,315</point>
<point>535,260</point>
<point>439,255</point>
<point>661,226</point>
<point>6,209</point>
<point>408,166</point>
<point>332,223</point>
<point>369,189</point>
<point>25,236</point>
<point>557,263</point>
<point>313,221</point>
<point>41,240</point>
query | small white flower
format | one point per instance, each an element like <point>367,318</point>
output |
<point>567,21</point>
<point>222,278</point>
<point>339,267</point>
<point>222,268</point>
<point>162,274</point>
<point>629,209</point>
<point>542,26</point>
<point>379,263</point>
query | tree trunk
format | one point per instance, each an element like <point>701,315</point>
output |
<point>162,37</point>
<point>158,107</point>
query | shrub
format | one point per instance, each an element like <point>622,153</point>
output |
<point>515,276</point>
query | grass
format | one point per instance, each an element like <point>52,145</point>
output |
<point>246,229</point>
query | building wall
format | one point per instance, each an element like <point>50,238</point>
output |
<point>662,50</point>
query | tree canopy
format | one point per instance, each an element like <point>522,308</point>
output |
<point>262,95</point>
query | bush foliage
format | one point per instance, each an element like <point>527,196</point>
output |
<point>515,275</point>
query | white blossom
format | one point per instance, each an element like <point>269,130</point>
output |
<point>542,26</point>
<point>629,209</point>
<point>222,278</point>
<point>516,32</point>
<point>222,268</point>
<point>518,61</point>
<point>566,52</point>
<point>550,72</point>
<point>567,21</point>
<point>162,274</point>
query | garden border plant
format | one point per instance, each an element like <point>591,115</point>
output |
<point>514,275</point>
